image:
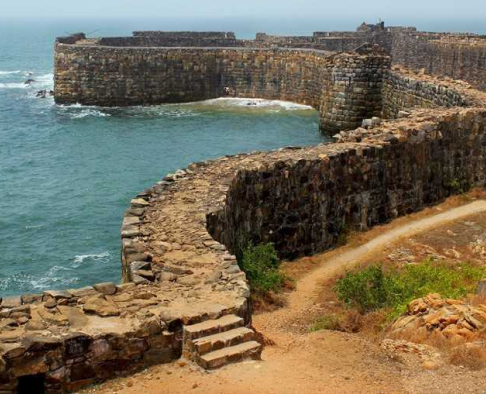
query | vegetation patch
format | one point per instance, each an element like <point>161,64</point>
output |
<point>261,265</point>
<point>457,186</point>
<point>374,288</point>
<point>328,322</point>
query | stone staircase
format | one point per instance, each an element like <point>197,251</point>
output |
<point>215,343</point>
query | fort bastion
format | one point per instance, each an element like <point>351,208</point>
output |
<point>183,293</point>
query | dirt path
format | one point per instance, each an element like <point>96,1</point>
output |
<point>321,362</point>
<point>302,298</point>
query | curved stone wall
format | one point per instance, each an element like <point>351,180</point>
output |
<point>179,237</point>
<point>345,88</point>
<point>303,202</point>
<point>458,56</point>
<point>402,91</point>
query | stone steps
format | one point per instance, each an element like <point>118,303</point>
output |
<point>230,354</point>
<point>221,340</point>
<point>215,343</point>
<point>210,327</point>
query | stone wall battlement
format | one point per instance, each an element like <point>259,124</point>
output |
<point>345,88</point>
<point>180,237</point>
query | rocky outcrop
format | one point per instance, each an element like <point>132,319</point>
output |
<point>454,320</point>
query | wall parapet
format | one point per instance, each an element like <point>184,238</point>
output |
<point>345,88</point>
<point>180,237</point>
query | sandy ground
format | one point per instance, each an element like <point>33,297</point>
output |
<point>326,361</point>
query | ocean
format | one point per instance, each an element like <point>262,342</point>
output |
<point>67,173</point>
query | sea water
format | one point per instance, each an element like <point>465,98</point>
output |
<point>67,173</point>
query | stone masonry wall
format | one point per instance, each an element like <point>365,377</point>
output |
<point>180,236</point>
<point>174,39</point>
<point>303,204</point>
<point>456,56</point>
<point>403,91</point>
<point>344,88</point>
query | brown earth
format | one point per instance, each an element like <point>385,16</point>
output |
<point>339,362</point>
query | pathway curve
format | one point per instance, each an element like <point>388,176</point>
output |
<point>313,363</point>
<point>307,287</point>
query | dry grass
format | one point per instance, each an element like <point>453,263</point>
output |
<point>471,357</point>
<point>268,302</point>
<point>469,353</point>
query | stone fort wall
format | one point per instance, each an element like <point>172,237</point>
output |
<point>458,56</point>
<point>180,236</point>
<point>305,201</point>
<point>344,88</point>
<point>455,55</point>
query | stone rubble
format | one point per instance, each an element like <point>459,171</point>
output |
<point>455,320</point>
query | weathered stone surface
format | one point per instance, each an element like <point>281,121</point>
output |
<point>13,351</point>
<point>145,274</point>
<point>139,203</point>
<point>107,288</point>
<point>101,307</point>
<point>31,298</point>
<point>39,343</point>
<point>83,291</point>
<point>57,295</point>
<point>140,265</point>
<point>52,317</point>
<point>11,302</point>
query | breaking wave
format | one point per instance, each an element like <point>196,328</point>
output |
<point>13,85</point>
<point>52,279</point>
<point>88,112</point>
<point>103,257</point>
<point>256,103</point>
<point>10,72</point>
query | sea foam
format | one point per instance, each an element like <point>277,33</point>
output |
<point>10,72</point>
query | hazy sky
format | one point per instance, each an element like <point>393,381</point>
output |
<point>370,10</point>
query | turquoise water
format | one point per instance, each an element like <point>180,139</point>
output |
<point>68,173</point>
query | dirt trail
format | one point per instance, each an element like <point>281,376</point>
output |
<point>302,298</point>
<point>320,362</point>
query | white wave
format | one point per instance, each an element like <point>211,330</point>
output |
<point>34,227</point>
<point>46,80</point>
<point>89,112</point>
<point>13,85</point>
<point>166,110</point>
<point>257,103</point>
<point>10,72</point>
<point>79,259</point>
<point>77,105</point>
<point>50,280</point>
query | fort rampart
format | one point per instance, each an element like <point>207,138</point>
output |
<point>344,88</point>
<point>180,237</point>
<point>458,56</point>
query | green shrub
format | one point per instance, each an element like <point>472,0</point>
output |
<point>366,290</point>
<point>261,263</point>
<point>327,322</point>
<point>457,187</point>
<point>372,288</point>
